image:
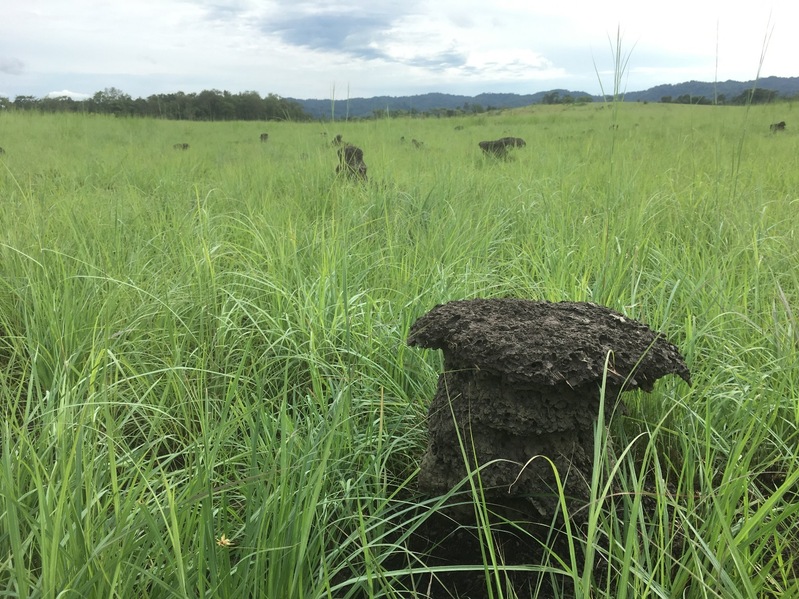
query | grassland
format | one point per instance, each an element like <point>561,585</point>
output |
<point>205,389</point>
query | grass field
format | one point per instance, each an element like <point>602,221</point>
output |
<point>205,389</point>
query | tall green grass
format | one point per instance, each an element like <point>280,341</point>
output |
<point>204,383</point>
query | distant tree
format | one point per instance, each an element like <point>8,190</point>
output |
<point>755,96</point>
<point>207,105</point>
<point>280,109</point>
<point>249,106</point>
<point>111,101</point>
<point>59,104</point>
<point>140,107</point>
<point>689,99</point>
<point>213,105</point>
<point>742,98</point>
<point>550,98</point>
<point>25,102</point>
<point>666,99</point>
<point>764,96</point>
<point>177,106</point>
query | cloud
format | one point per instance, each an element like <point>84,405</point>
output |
<point>11,66</point>
<point>298,47</point>
<point>446,59</point>
<point>68,94</point>
<point>224,11</point>
<point>439,44</point>
<point>357,35</point>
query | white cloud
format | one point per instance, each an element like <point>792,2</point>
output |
<point>68,94</point>
<point>300,48</point>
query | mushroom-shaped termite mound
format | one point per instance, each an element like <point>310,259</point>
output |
<point>523,380</point>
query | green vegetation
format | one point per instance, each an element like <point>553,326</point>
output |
<point>208,105</point>
<point>216,105</point>
<point>745,98</point>
<point>205,389</point>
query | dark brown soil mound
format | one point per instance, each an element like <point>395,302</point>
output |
<point>518,400</point>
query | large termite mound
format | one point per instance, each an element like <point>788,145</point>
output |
<point>519,399</point>
<point>522,379</point>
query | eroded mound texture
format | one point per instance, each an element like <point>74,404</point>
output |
<point>522,380</point>
<point>500,147</point>
<point>545,343</point>
<point>351,162</point>
<point>520,394</point>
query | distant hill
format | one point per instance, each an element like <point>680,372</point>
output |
<point>362,107</point>
<point>784,86</point>
<point>433,102</point>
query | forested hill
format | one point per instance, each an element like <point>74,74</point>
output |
<point>442,104</point>
<point>786,87</point>
<point>216,105</point>
<point>427,103</point>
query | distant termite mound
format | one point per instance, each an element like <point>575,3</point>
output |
<point>351,162</point>
<point>499,147</point>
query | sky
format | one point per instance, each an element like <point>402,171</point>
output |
<point>363,48</point>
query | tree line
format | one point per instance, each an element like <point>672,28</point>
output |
<point>751,96</point>
<point>208,105</point>
<point>215,105</point>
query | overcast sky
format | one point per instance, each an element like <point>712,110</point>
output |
<point>363,48</point>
